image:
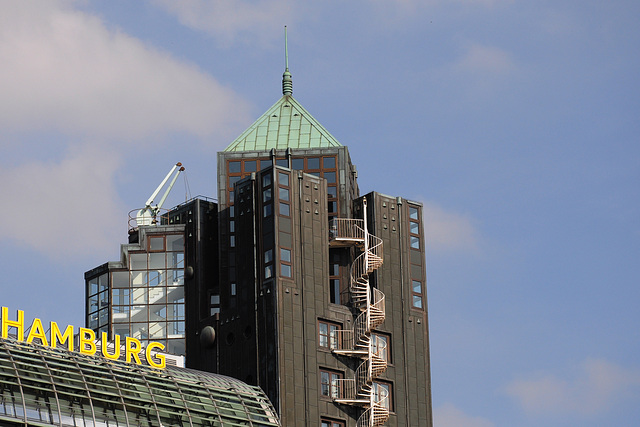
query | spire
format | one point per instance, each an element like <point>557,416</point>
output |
<point>287,83</point>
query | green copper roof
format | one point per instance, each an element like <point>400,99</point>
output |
<point>285,125</point>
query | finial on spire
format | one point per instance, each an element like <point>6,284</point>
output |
<point>287,83</point>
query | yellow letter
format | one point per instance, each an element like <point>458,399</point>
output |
<point>56,337</point>
<point>105,344</point>
<point>37,332</point>
<point>87,338</point>
<point>161,357</point>
<point>15,323</point>
<point>133,350</point>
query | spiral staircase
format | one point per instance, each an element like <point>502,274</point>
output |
<point>358,342</point>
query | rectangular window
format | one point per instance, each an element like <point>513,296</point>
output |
<point>414,227</point>
<point>334,290</point>
<point>328,334</point>
<point>380,346</point>
<point>416,288</point>
<point>250,166</point>
<point>266,180</point>
<point>329,383</point>
<point>156,244</point>
<point>297,164</point>
<point>313,163</point>
<point>382,394</point>
<point>326,422</point>
<point>285,262</point>
<point>283,179</point>
<point>235,166</point>
<point>330,177</point>
<point>413,213</point>
<point>214,304</point>
<point>284,209</point>
<point>283,194</point>
<point>329,162</point>
<point>334,279</point>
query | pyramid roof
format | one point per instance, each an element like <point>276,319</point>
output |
<point>287,124</point>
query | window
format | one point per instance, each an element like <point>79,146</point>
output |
<point>285,262</point>
<point>382,393</point>
<point>328,334</point>
<point>380,346</point>
<point>413,213</point>
<point>329,384</point>
<point>297,164</point>
<point>156,243</point>
<point>214,304</point>
<point>326,422</point>
<point>313,163</point>
<point>329,162</point>
<point>414,228</point>
<point>416,289</point>
<point>334,280</point>
<point>283,179</point>
<point>268,264</point>
<point>284,207</point>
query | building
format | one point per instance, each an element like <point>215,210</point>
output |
<point>315,293</point>
<point>43,386</point>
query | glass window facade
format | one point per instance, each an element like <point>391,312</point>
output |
<point>147,298</point>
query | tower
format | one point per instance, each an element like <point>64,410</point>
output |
<point>322,290</point>
<point>316,293</point>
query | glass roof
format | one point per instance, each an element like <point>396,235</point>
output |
<point>42,386</point>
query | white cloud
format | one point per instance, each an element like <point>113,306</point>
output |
<point>63,209</point>
<point>448,415</point>
<point>229,20</point>
<point>486,60</point>
<point>64,69</point>
<point>595,387</point>
<point>447,230</point>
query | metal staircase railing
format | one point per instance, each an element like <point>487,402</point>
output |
<point>357,342</point>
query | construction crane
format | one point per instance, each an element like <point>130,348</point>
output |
<point>148,214</point>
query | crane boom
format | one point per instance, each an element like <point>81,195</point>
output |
<point>148,214</point>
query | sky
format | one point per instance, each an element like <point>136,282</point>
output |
<point>515,123</point>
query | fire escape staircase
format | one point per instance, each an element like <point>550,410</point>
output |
<point>358,342</point>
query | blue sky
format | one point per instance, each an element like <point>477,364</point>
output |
<point>515,123</point>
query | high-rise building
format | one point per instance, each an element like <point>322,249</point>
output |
<point>293,281</point>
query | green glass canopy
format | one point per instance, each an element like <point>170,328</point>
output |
<point>42,386</point>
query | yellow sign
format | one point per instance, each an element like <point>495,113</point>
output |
<point>87,338</point>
